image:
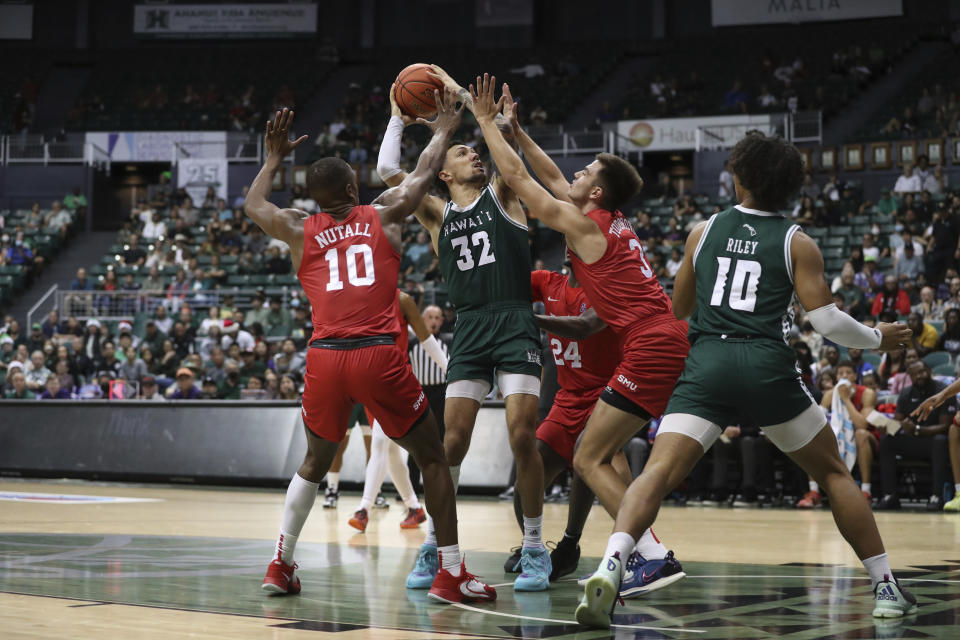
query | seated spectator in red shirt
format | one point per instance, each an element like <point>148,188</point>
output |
<point>891,298</point>
<point>185,387</point>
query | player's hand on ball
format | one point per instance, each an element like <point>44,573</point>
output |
<point>277,139</point>
<point>484,106</point>
<point>448,115</point>
<point>395,108</point>
<point>893,336</point>
<point>444,77</point>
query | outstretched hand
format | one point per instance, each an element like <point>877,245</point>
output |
<point>510,109</point>
<point>448,83</point>
<point>448,115</point>
<point>927,406</point>
<point>484,106</point>
<point>395,108</point>
<point>277,139</point>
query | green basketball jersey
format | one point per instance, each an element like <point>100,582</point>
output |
<point>484,254</point>
<point>744,275</point>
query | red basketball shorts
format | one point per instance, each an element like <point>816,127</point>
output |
<point>653,359</point>
<point>566,421</point>
<point>378,377</point>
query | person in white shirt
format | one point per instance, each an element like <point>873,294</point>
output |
<point>726,183</point>
<point>673,264</point>
<point>936,182</point>
<point>153,228</point>
<point>904,238</point>
<point>908,182</point>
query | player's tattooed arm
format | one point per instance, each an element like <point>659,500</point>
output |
<point>574,327</point>
<point>397,203</point>
<point>282,224</point>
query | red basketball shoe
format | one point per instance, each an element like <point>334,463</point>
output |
<point>463,588</point>
<point>413,519</point>
<point>280,578</point>
<point>359,520</point>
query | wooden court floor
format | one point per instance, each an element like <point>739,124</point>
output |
<point>95,560</point>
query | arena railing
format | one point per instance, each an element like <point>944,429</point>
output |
<point>238,147</point>
<point>33,148</point>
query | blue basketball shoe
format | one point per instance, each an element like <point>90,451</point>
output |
<point>643,576</point>
<point>535,570</point>
<point>425,569</point>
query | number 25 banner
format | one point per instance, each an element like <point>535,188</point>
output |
<point>197,174</point>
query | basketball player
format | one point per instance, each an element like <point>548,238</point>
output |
<point>347,259</point>
<point>740,272</point>
<point>480,235</point>
<point>584,365</point>
<point>610,265</point>
<point>385,452</point>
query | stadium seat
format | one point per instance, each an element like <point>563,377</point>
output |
<point>872,358</point>
<point>944,369</point>
<point>936,359</point>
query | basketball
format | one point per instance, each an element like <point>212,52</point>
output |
<point>414,91</point>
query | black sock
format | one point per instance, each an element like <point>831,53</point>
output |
<point>573,539</point>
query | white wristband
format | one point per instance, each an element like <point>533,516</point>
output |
<point>842,329</point>
<point>388,160</point>
<point>432,346</point>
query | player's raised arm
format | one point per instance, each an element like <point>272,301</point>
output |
<point>574,327</point>
<point>282,224</point>
<point>556,214</point>
<point>814,295</point>
<point>543,166</point>
<point>397,203</point>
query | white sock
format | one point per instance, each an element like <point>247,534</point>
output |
<point>400,476</point>
<point>333,480</point>
<point>376,466</point>
<point>865,486</point>
<point>621,543</point>
<point>879,569</point>
<point>533,532</point>
<point>814,486</point>
<point>450,559</point>
<point>431,533</point>
<point>650,547</point>
<point>301,495</point>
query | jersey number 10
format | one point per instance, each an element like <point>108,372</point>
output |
<point>353,274</point>
<point>743,290</point>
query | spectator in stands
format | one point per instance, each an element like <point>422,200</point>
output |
<point>149,390</point>
<point>230,387</point>
<point>277,321</point>
<point>646,230</point>
<point>538,116</point>
<point>887,205</point>
<point>185,388</point>
<point>894,366</point>
<point>62,370</point>
<point>51,325</point>
<point>929,307</point>
<point>215,367</point>
<point>922,169</point>
<point>35,372</point>
<point>736,99</point>
<point>891,298</point>
<point>153,281</point>
<point>860,366</point>
<point>36,339</point>
<point>936,182</point>
<point>58,220</point>
<point>909,265</point>
<point>950,337</point>
<point>133,369</point>
<point>75,200</point>
<point>20,390</point>
<point>162,321</point>
<point>918,438</point>
<point>288,388</point>
<point>53,390</point>
<point>925,337</point>
<point>854,301</point>
<point>831,190</point>
<point>258,308</point>
<point>277,264</point>
<point>108,360</point>
<point>234,333</point>
<point>859,402</point>
<point>154,228</point>
<point>19,254</point>
<point>809,189</point>
<point>133,254</point>
<point>152,337</point>
<point>81,365</point>
<point>188,214</point>
<point>908,182</point>
<point>288,360</point>
<point>898,241</point>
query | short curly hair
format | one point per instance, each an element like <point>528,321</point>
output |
<point>769,167</point>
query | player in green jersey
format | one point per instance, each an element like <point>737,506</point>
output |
<point>480,236</point>
<point>740,273</point>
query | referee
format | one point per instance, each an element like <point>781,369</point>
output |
<point>431,377</point>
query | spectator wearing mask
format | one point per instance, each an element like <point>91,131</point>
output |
<point>892,298</point>
<point>19,254</point>
<point>53,390</point>
<point>185,388</point>
<point>919,438</point>
<point>925,337</point>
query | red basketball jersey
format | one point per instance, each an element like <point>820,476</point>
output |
<point>584,365</point>
<point>349,273</point>
<point>621,285</point>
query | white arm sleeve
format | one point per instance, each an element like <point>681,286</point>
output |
<point>432,347</point>
<point>842,329</point>
<point>388,162</point>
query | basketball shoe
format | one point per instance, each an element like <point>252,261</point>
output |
<point>564,558</point>
<point>359,520</point>
<point>892,601</point>
<point>425,569</point>
<point>512,565</point>
<point>463,588</point>
<point>643,576</point>
<point>413,519</point>
<point>381,502</point>
<point>810,500</point>
<point>954,504</point>
<point>280,578</point>
<point>330,499</point>
<point>534,570</point>
<point>600,594</point>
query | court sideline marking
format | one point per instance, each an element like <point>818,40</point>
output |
<point>566,622</point>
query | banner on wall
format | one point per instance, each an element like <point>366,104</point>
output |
<point>159,146</point>
<point>224,20</point>
<point>725,13</point>
<point>678,134</point>
<point>196,175</point>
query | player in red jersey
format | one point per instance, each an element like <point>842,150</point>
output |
<point>610,265</point>
<point>584,365</point>
<point>347,259</point>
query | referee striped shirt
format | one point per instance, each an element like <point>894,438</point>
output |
<point>427,371</point>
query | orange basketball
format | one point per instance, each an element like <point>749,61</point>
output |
<point>414,91</point>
